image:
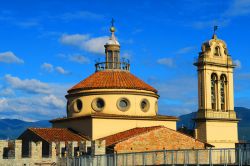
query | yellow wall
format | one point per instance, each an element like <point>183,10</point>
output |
<point>218,133</point>
<point>106,127</point>
<point>134,96</point>
<point>100,127</point>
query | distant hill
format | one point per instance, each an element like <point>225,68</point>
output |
<point>242,113</point>
<point>12,128</point>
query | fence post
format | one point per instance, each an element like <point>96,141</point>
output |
<point>172,158</point>
<point>197,157</point>
<point>133,158</point>
<point>210,157</point>
<point>143,158</point>
<point>165,155</point>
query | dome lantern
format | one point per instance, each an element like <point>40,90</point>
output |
<point>112,52</point>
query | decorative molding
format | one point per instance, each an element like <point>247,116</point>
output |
<point>111,93</point>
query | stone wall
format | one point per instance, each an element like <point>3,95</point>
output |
<point>11,152</point>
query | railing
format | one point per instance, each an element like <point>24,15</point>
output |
<point>112,65</point>
<point>165,157</point>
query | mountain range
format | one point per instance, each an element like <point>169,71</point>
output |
<point>12,128</point>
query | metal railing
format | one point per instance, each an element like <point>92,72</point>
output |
<point>165,157</point>
<point>112,65</point>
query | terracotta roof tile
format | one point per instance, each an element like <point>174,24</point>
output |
<point>57,134</point>
<point>122,136</point>
<point>118,137</point>
<point>111,79</point>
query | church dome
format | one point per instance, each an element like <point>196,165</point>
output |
<point>112,79</point>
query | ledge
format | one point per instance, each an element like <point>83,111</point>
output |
<point>113,116</point>
<point>216,119</point>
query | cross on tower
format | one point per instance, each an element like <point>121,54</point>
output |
<point>215,28</point>
<point>112,22</point>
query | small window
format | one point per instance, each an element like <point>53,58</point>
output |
<point>144,105</point>
<point>217,51</point>
<point>123,104</point>
<point>98,104</point>
<point>78,105</point>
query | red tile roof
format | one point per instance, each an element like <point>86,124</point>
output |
<point>57,134</point>
<point>118,137</point>
<point>111,79</point>
<point>122,136</point>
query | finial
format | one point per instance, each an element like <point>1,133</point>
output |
<point>214,34</point>
<point>112,28</point>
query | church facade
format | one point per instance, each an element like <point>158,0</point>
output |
<point>114,107</point>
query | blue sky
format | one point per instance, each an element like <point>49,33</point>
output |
<point>48,46</point>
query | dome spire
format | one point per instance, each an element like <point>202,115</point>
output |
<point>214,34</point>
<point>112,40</point>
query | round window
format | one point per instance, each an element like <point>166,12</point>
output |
<point>123,104</point>
<point>145,105</point>
<point>78,105</point>
<point>98,104</point>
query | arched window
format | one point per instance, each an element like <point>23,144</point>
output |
<point>217,51</point>
<point>213,90</point>
<point>116,59</point>
<point>110,59</point>
<point>223,80</point>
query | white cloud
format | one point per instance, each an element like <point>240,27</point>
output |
<point>81,15</point>
<point>47,67</point>
<point>7,92</point>
<point>74,40</point>
<point>169,62</point>
<point>237,63</point>
<point>85,42</point>
<point>243,76</point>
<point>35,106</point>
<point>238,8</point>
<point>50,68</point>
<point>53,101</point>
<point>27,85</point>
<point>78,58</point>
<point>27,23</point>
<point>210,23</point>
<point>3,102</point>
<point>185,50</point>
<point>126,55</point>
<point>10,57</point>
<point>178,95</point>
<point>61,70</point>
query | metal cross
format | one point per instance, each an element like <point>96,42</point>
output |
<point>215,28</point>
<point>112,22</point>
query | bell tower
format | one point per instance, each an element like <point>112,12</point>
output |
<point>216,121</point>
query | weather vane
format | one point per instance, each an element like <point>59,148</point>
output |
<point>215,28</point>
<point>112,22</point>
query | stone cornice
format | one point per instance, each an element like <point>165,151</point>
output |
<point>202,63</point>
<point>236,120</point>
<point>112,93</point>
<point>122,117</point>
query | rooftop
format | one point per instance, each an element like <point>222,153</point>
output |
<point>112,79</point>
<point>57,134</point>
